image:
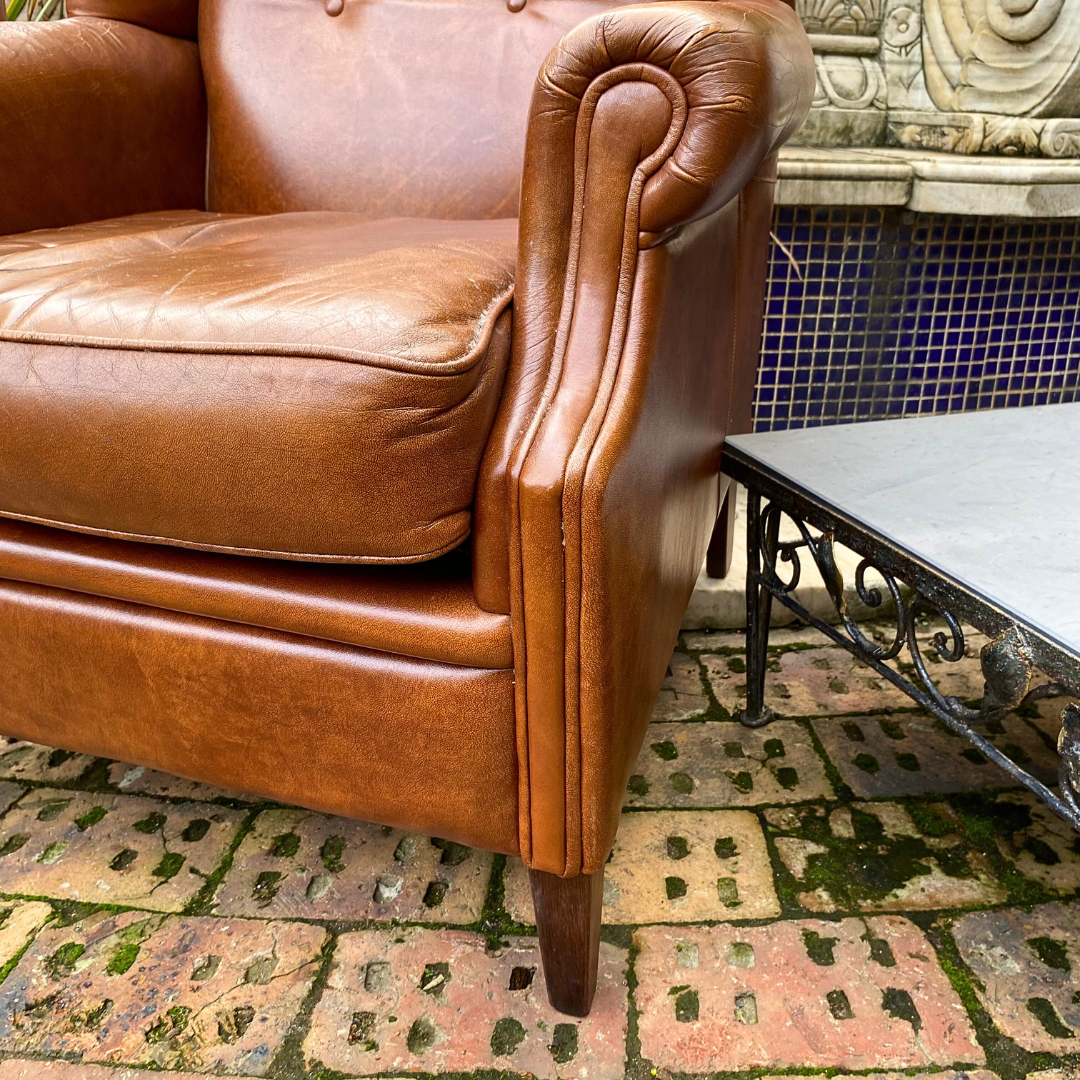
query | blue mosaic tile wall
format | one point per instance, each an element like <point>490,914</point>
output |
<point>879,312</point>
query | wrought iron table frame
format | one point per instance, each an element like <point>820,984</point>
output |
<point>1015,653</point>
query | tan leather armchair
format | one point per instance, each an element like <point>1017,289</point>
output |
<point>343,460</point>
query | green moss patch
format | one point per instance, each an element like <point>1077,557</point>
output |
<point>507,1035</point>
<point>122,959</point>
<point>870,865</point>
<point>285,846</point>
<point>152,823</point>
<point>564,1043</point>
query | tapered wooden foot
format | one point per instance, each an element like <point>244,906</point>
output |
<point>722,544</point>
<point>568,924</point>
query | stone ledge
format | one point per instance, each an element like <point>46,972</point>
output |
<point>929,182</point>
<point>845,44</point>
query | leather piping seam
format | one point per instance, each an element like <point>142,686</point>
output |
<point>580,458</point>
<point>257,553</point>
<point>586,110</point>
<point>474,353</point>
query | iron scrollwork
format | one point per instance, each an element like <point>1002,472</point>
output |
<point>1069,749</point>
<point>774,571</point>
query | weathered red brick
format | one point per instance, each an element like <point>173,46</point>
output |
<point>149,990</point>
<point>1027,969</point>
<point>299,863</point>
<point>725,764</point>
<point>676,866</point>
<point>114,849</point>
<point>437,1001</point>
<point>855,994</point>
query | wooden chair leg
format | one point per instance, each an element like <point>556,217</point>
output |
<point>722,544</point>
<point>568,924</point>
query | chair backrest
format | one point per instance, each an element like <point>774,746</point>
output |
<point>389,108</point>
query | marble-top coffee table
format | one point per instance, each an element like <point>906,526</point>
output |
<point>972,518</point>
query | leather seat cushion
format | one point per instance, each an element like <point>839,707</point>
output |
<point>306,385</point>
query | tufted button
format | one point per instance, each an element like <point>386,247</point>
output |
<point>335,7</point>
<point>515,5</point>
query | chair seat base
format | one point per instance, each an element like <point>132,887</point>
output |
<point>415,744</point>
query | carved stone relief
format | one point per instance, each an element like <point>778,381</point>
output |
<point>849,102</point>
<point>995,77</point>
<point>1004,56</point>
<point>840,16</point>
<point>902,58</point>
<point>849,82</point>
<point>978,133</point>
<point>1060,138</point>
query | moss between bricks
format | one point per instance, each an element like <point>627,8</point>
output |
<point>289,1061</point>
<point>1005,1057</point>
<point>869,866</point>
<point>203,903</point>
<point>864,869</point>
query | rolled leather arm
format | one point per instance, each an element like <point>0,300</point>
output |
<point>98,119</point>
<point>180,18</point>
<point>738,76</point>
<point>600,476</point>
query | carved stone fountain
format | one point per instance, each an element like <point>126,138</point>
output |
<point>993,82</point>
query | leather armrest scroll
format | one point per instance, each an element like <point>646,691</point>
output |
<point>644,120</point>
<point>741,68</point>
<point>100,119</point>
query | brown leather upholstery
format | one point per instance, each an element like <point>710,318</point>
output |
<point>410,743</point>
<point>424,104</point>
<point>328,383</point>
<point>645,125</point>
<point>99,119</point>
<point>755,221</point>
<point>337,379</point>
<point>180,18</point>
<point>425,611</point>
<point>545,246</point>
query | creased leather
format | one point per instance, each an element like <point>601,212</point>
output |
<point>99,118</point>
<point>412,296</point>
<point>585,395</point>
<point>422,102</point>
<point>425,611</point>
<point>180,18</point>
<point>422,746</point>
<point>336,379</point>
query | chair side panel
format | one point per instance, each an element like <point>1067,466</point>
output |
<point>409,743</point>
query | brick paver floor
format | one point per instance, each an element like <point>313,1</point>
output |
<point>851,891</point>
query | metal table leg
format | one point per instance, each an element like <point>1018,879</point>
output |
<point>1009,661</point>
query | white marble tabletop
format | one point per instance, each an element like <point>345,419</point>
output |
<point>990,499</point>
